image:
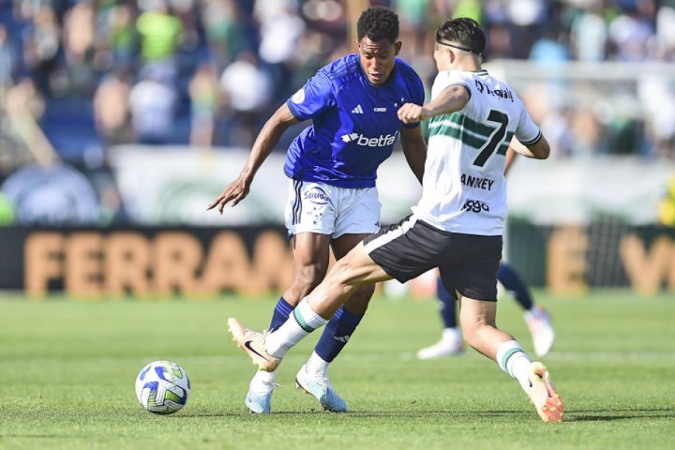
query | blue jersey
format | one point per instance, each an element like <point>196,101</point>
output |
<point>354,124</point>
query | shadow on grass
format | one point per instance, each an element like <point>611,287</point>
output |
<point>570,415</point>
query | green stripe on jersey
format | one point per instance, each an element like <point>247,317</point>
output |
<point>471,133</point>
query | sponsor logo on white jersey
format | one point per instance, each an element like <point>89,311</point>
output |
<point>357,110</point>
<point>382,140</point>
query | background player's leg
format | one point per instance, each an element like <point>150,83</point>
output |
<point>536,316</point>
<point>450,343</point>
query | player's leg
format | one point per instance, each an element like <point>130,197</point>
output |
<point>357,216</point>
<point>400,251</point>
<point>313,375</point>
<point>310,262</point>
<point>537,317</point>
<point>477,318</point>
<point>472,265</point>
<point>397,253</point>
<point>311,221</point>
<point>348,274</point>
<point>450,343</point>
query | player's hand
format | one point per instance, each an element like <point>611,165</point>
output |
<point>233,194</point>
<point>410,113</point>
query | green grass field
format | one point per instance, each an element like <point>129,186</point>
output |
<point>68,370</point>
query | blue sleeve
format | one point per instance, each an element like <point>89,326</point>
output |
<point>315,97</point>
<point>417,95</point>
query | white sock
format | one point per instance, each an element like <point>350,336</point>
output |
<point>514,361</point>
<point>302,321</point>
<point>316,364</point>
<point>263,376</point>
<point>451,335</point>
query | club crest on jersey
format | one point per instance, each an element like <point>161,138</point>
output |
<point>299,96</point>
<point>317,196</point>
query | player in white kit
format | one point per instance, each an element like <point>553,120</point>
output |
<point>456,226</point>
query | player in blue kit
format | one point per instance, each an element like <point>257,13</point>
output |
<point>332,166</point>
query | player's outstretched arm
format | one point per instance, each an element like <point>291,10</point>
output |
<point>539,150</point>
<point>262,147</point>
<point>451,99</point>
<point>414,149</point>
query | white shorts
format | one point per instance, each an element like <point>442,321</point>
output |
<point>325,209</point>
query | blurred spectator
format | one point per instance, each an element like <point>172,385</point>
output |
<point>248,91</point>
<point>152,103</point>
<point>665,30</point>
<point>25,106</point>
<point>41,50</point>
<point>667,205</point>
<point>8,63</point>
<point>111,109</point>
<point>226,31</point>
<point>500,43</point>
<point>204,96</point>
<point>78,46</point>
<point>657,96</point>
<point>414,26</point>
<point>160,33</point>
<point>72,49</point>
<point>588,134</point>
<point>589,32</point>
<point>6,211</point>
<point>117,39</point>
<point>551,48</point>
<point>280,31</point>
<point>632,32</point>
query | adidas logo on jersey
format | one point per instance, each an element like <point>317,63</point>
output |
<point>382,140</point>
<point>357,110</point>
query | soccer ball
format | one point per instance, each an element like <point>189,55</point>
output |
<point>162,387</point>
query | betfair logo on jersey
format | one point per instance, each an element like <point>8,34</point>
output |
<point>501,93</point>
<point>382,140</point>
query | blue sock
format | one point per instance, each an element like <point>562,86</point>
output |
<point>448,309</point>
<point>338,331</point>
<point>513,283</point>
<point>281,313</point>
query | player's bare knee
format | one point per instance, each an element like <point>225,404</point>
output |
<point>358,303</point>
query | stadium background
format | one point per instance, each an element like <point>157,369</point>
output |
<point>121,120</point>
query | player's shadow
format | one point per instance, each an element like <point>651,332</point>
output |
<point>598,415</point>
<point>608,415</point>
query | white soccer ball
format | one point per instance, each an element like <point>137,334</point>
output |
<point>162,387</point>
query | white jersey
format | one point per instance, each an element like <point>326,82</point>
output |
<point>464,188</point>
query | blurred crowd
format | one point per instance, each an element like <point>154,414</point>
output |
<point>208,72</point>
<point>79,76</point>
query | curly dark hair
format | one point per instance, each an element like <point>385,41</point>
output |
<point>378,23</point>
<point>463,31</point>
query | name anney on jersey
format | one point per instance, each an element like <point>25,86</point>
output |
<point>477,182</point>
<point>501,93</point>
